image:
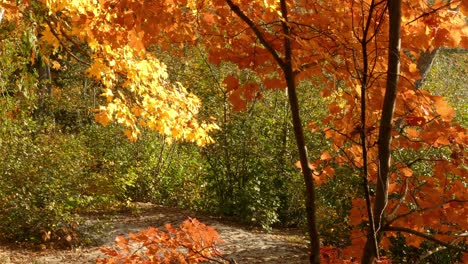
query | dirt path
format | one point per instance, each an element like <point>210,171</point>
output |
<point>242,245</point>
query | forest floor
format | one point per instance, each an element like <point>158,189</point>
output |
<point>243,244</point>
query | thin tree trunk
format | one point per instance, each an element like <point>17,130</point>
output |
<point>299,134</point>
<point>306,171</point>
<point>287,68</point>
<point>44,88</point>
<point>381,198</point>
<point>363,132</point>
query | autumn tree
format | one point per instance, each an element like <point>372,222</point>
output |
<point>135,83</point>
<point>346,45</point>
<point>285,42</point>
<point>353,47</point>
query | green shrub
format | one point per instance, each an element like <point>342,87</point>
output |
<point>40,183</point>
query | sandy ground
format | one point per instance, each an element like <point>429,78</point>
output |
<point>243,245</point>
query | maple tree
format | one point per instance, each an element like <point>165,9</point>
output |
<point>288,41</point>
<point>353,47</point>
<point>135,83</point>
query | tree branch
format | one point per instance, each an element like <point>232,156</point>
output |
<point>425,236</point>
<point>257,32</point>
<point>431,12</point>
<point>65,47</point>
<point>420,210</point>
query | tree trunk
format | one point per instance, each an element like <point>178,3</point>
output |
<point>44,88</point>
<point>287,68</point>
<point>299,134</point>
<point>306,171</point>
<point>381,198</point>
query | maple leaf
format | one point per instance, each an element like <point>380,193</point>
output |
<point>325,155</point>
<point>199,242</point>
<point>55,65</point>
<point>232,83</point>
<point>412,132</point>
<point>49,38</point>
<point>445,111</point>
<point>407,172</point>
<point>238,103</point>
<point>102,118</point>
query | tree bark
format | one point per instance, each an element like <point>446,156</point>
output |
<point>381,196</point>
<point>306,170</point>
<point>299,134</point>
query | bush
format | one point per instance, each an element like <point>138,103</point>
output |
<point>193,242</point>
<point>40,183</point>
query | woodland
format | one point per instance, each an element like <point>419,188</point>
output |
<point>346,119</point>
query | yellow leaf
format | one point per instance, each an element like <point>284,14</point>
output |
<point>95,69</point>
<point>48,37</point>
<point>55,65</point>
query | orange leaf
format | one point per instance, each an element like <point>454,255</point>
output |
<point>209,18</point>
<point>312,126</point>
<point>325,92</point>
<point>407,172</point>
<point>442,37</point>
<point>412,132</point>
<point>413,67</point>
<point>334,108</point>
<point>325,155</point>
<point>414,241</point>
<point>231,83</point>
<point>329,171</point>
<point>131,135</point>
<point>445,111</point>
<point>238,103</point>
<point>317,179</point>
<point>136,40</point>
<point>250,90</point>
<point>298,164</point>
<point>102,118</point>
<point>120,240</point>
<point>274,83</point>
<point>415,120</point>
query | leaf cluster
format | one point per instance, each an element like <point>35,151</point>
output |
<point>192,242</point>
